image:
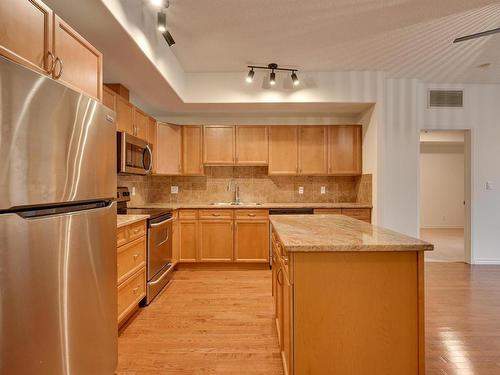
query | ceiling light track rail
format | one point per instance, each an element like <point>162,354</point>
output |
<point>273,67</point>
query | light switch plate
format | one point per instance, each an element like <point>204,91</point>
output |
<point>133,191</point>
<point>174,189</point>
<point>489,185</point>
<point>323,189</point>
<point>301,190</point>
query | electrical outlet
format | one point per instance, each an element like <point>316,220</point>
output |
<point>301,189</point>
<point>133,191</point>
<point>174,189</point>
<point>489,185</point>
<point>323,189</point>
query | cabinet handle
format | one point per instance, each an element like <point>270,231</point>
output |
<point>285,260</point>
<point>51,65</point>
<point>251,215</point>
<point>136,231</point>
<point>215,214</point>
<point>61,67</point>
<point>136,256</point>
<point>135,290</point>
<point>278,276</point>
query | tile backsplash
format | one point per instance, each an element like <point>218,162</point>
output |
<point>255,186</point>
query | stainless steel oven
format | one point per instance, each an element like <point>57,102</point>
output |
<point>134,155</point>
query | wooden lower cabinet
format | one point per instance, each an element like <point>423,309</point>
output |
<point>351,313</point>
<point>363,214</point>
<point>251,236</point>
<point>216,240</point>
<point>188,240</point>
<point>131,268</point>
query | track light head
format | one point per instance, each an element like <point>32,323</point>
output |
<point>295,79</point>
<point>160,3</point>
<point>168,38</point>
<point>250,75</point>
<point>162,22</point>
<point>272,78</point>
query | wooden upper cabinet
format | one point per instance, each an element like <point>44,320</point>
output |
<point>169,149</point>
<point>251,145</point>
<point>109,98</point>
<point>124,115</point>
<point>26,33</point>
<point>344,150</point>
<point>313,150</point>
<point>218,145</point>
<point>78,64</point>
<point>141,123</point>
<point>283,150</point>
<point>192,146</point>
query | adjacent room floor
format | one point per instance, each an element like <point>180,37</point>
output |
<point>448,244</point>
<point>220,322</point>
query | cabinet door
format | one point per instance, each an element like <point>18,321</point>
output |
<point>287,347</point>
<point>192,164</point>
<point>80,64</point>
<point>251,145</point>
<point>124,116</point>
<point>141,121</point>
<point>283,150</point>
<point>251,241</point>
<point>313,150</point>
<point>188,241</point>
<point>175,241</point>
<point>169,149</point>
<point>109,98</point>
<point>218,145</point>
<point>344,148</point>
<point>26,33</point>
<point>279,304</point>
<point>216,240</point>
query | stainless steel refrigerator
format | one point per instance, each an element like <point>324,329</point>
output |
<point>58,306</point>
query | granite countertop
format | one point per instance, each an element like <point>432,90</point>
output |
<point>322,233</point>
<point>176,206</point>
<point>123,220</point>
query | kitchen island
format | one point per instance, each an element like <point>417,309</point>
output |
<point>349,297</point>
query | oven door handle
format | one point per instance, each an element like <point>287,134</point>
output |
<point>161,223</point>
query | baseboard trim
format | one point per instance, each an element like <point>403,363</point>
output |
<point>491,262</point>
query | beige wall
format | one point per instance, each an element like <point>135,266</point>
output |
<point>442,186</point>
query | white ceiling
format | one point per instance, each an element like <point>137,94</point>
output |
<point>407,38</point>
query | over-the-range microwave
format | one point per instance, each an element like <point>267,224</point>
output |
<point>134,155</point>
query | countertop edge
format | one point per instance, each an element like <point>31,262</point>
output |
<point>124,220</point>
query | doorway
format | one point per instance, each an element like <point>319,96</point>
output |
<point>444,194</point>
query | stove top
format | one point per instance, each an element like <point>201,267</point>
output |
<point>152,212</point>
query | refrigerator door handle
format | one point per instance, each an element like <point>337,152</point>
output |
<point>30,213</point>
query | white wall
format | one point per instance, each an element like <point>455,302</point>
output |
<point>442,185</point>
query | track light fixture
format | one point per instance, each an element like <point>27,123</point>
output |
<point>160,3</point>
<point>168,38</point>
<point>272,76</point>
<point>162,22</point>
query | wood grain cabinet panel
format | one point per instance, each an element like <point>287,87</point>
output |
<point>252,145</point>
<point>169,149</point>
<point>192,150</point>
<point>79,64</point>
<point>251,240</point>
<point>327,211</point>
<point>109,98</point>
<point>188,240</point>
<point>131,258</point>
<point>216,240</point>
<point>130,293</point>
<point>218,145</point>
<point>313,150</point>
<point>26,34</point>
<point>363,214</point>
<point>141,122</point>
<point>344,150</point>
<point>283,150</point>
<point>124,116</point>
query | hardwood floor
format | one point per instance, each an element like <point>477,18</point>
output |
<point>205,322</point>
<point>220,322</point>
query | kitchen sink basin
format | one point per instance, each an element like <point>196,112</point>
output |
<point>235,204</point>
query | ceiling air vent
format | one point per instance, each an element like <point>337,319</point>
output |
<point>446,99</point>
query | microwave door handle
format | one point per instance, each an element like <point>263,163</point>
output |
<point>148,150</point>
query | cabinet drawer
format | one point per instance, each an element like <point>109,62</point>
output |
<point>252,214</point>
<point>130,293</point>
<point>131,257</point>
<point>216,214</point>
<point>188,214</point>
<point>136,230</point>
<point>327,211</point>
<point>358,213</point>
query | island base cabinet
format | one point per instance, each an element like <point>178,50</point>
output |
<point>350,313</point>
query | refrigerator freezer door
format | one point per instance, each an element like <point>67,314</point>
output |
<point>56,145</point>
<point>58,306</point>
